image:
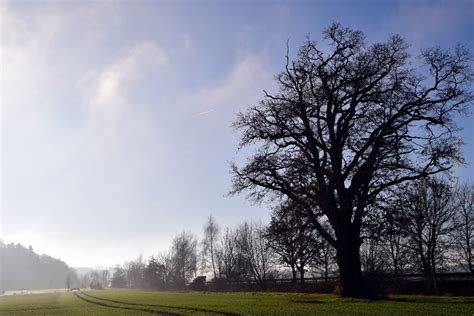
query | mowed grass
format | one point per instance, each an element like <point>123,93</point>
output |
<point>128,302</point>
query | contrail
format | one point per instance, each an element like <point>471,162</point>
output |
<point>206,112</point>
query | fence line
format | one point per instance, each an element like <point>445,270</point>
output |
<point>447,276</point>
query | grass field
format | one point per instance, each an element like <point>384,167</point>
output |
<point>128,302</point>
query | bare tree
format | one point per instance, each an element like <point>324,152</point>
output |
<point>135,271</point>
<point>231,262</point>
<point>256,251</point>
<point>184,258</point>
<point>165,261</point>
<point>428,211</point>
<point>104,278</point>
<point>119,277</point>
<point>349,124</point>
<point>72,280</point>
<point>293,238</point>
<point>371,257</point>
<point>394,243</point>
<point>155,275</point>
<point>464,234</point>
<point>85,280</point>
<point>209,245</point>
<point>325,262</point>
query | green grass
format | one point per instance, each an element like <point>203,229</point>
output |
<point>128,302</point>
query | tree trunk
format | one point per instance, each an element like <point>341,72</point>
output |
<point>433,273</point>
<point>326,273</point>
<point>302,275</point>
<point>293,271</point>
<point>212,258</point>
<point>348,260</point>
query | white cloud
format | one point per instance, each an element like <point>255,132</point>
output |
<point>58,165</point>
<point>108,96</point>
<point>243,86</point>
<point>41,59</point>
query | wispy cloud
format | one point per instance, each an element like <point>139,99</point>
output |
<point>108,94</point>
<point>241,87</point>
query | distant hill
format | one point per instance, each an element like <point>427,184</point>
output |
<point>22,269</point>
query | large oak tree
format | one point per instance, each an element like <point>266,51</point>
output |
<point>348,123</point>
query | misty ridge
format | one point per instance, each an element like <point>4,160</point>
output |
<point>22,269</point>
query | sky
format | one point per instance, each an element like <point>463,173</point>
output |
<point>115,115</point>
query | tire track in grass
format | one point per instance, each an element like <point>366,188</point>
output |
<point>31,309</point>
<point>193,309</point>
<point>151,311</point>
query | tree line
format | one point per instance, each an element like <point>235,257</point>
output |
<point>424,228</point>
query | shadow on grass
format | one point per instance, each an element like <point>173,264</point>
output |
<point>193,309</point>
<point>32,310</point>
<point>307,301</point>
<point>428,300</point>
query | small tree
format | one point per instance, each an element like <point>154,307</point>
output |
<point>325,262</point>
<point>166,269</point>
<point>154,278</point>
<point>293,238</point>
<point>119,278</point>
<point>256,251</point>
<point>428,211</point>
<point>72,280</point>
<point>184,258</point>
<point>395,242</point>
<point>464,234</point>
<point>209,245</point>
<point>135,270</point>
<point>232,263</point>
<point>104,278</point>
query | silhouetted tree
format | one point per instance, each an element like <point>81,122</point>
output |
<point>154,276</point>
<point>347,124</point>
<point>372,257</point>
<point>135,271</point>
<point>184,258</point>
<point>324,263</point>
<point>209,245</point>
<point>119,278</point>
<point>293,238</point>
<point>428,212</point>
<point>395,242</point>
<point>463,235</point>
<point>167,270</point>
<point>256,252</point>
<point>231,262</point>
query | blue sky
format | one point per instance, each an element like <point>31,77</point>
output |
<point>116,115</point>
